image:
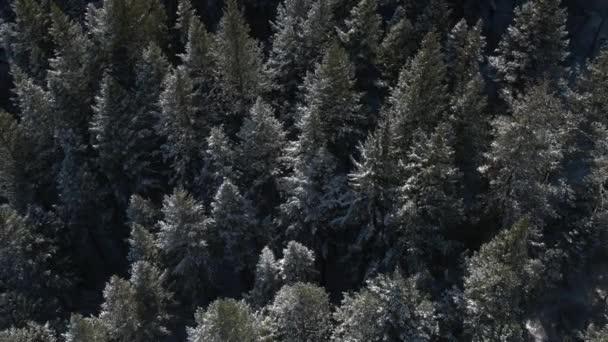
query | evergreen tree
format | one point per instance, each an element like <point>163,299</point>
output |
<point>262,142</point>
<point>285,66</point>
<point>143,218</point>
<point>535,47</point>
<point>221,159</point>
<point>233,227</point>
<point>468,100</point>
<point>429,200</point>
<point>182,238</point>
<point>591,99</point>
<point>419,99</point>
<point>361,38</point>
<point>239,63</point>
<point>298,264</point>
<point>398,45</point>
<point>26,41</point>
<point>135,310</point>
<point>186,14</point>
<point>496,285</point>
<point>317,33</point>
<point>267,279</point>
<point>89,329</point>
<point>389,308</point>
<point>12,151</point>
<point>225,320</point>
<point>32,332</point>
<point>526,155</point>
<point>301,312</point>
<point>434,17</point>
<point>330,97</point>
<point>183,127</point>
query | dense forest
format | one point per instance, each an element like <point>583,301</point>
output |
<point>300,171</point>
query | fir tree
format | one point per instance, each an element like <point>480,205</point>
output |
<point>89,329</point>
<point>225,320</point>
<point>498,279</point>
<point>262,142</point>
<point>398,45</point>
<point>32,332</point>
<point>186,15</point>
<point>330,97</point>
<point>526,154</point>
<point>239,62</point>
<point>297,264</point>
<point>221,159</point>
<point>535,47</point>
<point>389,308</point>
<point>12,148</point>
<point>419,99</point>
<point>267,279</point>
<point>301,312</point>
<point>429,200</point>
<point>182,238</point>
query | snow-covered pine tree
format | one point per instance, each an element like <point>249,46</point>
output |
<point>182,239</point>
<point>239,66</point>
<point>225,320</point>
<point>526,155</point>
<point>429,202</point>
<point>259,155</point>
<point>390,307</point>
<point>26,41</point>
<point>398,45</point>
<point>534,48</point>
<point>267,279</point>
<point>297,264</point>
<point>499,277</point>
<point>31,332</point>
<point>419,99</point>
<point>468,101</point>
<point>301,312</point>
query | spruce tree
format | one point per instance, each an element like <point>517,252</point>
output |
<point>535,47</point>
<point>498,280</point>
<point>418,101</point>
<point>526,154</point>
<point>429,202</point>
<point>239,64</point>
<point>267,279</point>
<point>301,312</point>
<point>220,160</point>
<point>398,45</point>
<point>186,14</point>
<point>182,238</point>
<point>225,320</point>
<point>389,308</point>
<point>297,264</point>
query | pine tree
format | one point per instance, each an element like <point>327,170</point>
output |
<point>89,329</point>
<point>429,202</point>
<point>301,312</point>
<point>186,15</point>
<point>26,41</point>
<point>110,135</point>
<point>330,96</point>
<point>225,320</point>
<point>398,45</point>
<point>143,218</point>
<point>592,100</point>
<point>526,155</point>
<point>32,332</point>
<point>183,127</point>
<point>144,165</point>
<point>12,148</point>
<point>361,39</point>
<point>498,279</point>
<point>233,227</point>
<point>220,159</point>
<point>135,310</point>
<point>267,279</point>
<point>182,239</point>
<point>535,47</point>
<point>239,63</point>
<point>297,264</point>
<point>435,17</point>
<point>468,100</point>
<point>262,142</point>
<point>317,33</point>
<point>285,66</point>
<point>419,99</point>
<point>389,308</point>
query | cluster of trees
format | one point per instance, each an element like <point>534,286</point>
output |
<point>372,172</point>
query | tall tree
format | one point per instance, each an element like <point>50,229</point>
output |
<point>301,312</point>
<point>225,320</point>
<point>267,279</point>
<point>297,264</point>
<point>498,280</point>
<point>535,47</point>
<point>398,45</point>
<point>526,155</point>
<point>239,64</point>
<point>389,308</point>
<point>419,99</point>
